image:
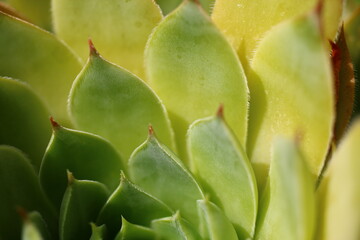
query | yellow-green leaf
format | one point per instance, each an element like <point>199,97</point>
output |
<point>245,22</point>
<point>292,94</point>
<point>287,209</point>
<point>169,5</point>
<point>109,101</point>
<point>339,193</point>
<point>193,69</point>
<point>35,56</point>
<point>222,167</point>
<point>120,28</point>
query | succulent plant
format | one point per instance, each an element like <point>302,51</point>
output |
<point>189,120</point>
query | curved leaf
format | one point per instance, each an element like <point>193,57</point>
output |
<point>24,120</point>
<point>81,204</point>
<point>20,187</point>
<point>110,101</point>
<point>88,156</point>
<point>292,86</point>
<point>193,69</point>
<point>133,204</point>
<point>245,23</point>
<point>287,209</point>
<point>120,28</point>
<point>214,223</point>
<point>222,167</point>
<point>158,172</point>
<point>174,228</point>
<point>131,231</point>
<point>341,191</point>
<point>37,57</point>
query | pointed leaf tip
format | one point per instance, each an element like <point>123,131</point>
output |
<point>93,51</point>
<point>151,130</point>
<point>54,124</point>
<point>220,111</point>
<point>70,177</point>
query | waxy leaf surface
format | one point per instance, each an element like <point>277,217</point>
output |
<point>245,23</point>
<point>287,208</point>
<point>87,156</point>
<point>131,231</point>
<point>120,28</point>
<point>130,202</point>
<point>20,187</point>
<point>174,228</point>
<point>292,94</point>
<point>35,56</point>
<point>214,223</point>
<point>113,103</point>
<point>24,120</point>
<point>160,173</point>
<point>222,167</point>
<point>193,69</point>
<point>340,190</point>
<point>81,205</point>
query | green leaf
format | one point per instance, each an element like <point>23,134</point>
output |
<point>339,192</point>
<point>24,120</point>
<point>120,29</point>
<point>20,187</point>
<point>292,86</point>
<point>81,205</point>
<point>287,209</point>
<point>131,231</point>
<point>133,204</point>
<point>37,11</point>
<point>214,223</point>
<point>168,6</point>
<point>245,23</point>
<point>110,101</point>
<point>223,169</point>
<point>88,156</point>
<point>37,57</point>
<point>34,227</point>
<point>174,228</point>
<point>193,69</point>
<point>98,232</point>
<point>160,173</point>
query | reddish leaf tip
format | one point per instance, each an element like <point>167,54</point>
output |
<point>22,213</point>
<point>93,51</point>
<point>220,111</point>
<point>54,124</point>
<point>151,130</point>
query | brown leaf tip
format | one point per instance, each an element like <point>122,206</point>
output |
<point>70,177</point>
<point>22,213</point>
<point>151,130</point>
<point>93,51</point>
<point>196,1</point>
<point>220,111</point>
<point>54,124</point>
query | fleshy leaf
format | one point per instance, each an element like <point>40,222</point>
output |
<point>81,205</point>
<point>37,11</point>
<point>131,231</point>
<point>223,169</point>
<point>88,156</point>
<point>292,94</point>
<point>37,57</point>
<point>174,228</point>
<point>339,192</point>
<point>110,101</point>
<point>344,84</point>
<point>245,23</point>
<point>120,28</point>
<point>214,223</point>
<point>24,120</point>
<point>98,232</point>
<point>287,209</point>
<point>133,204</point>
<point>193,69</point>
<point>169,5</point>
<point>160,173</point>
<point>34,227</point>
<point>20,188</point>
